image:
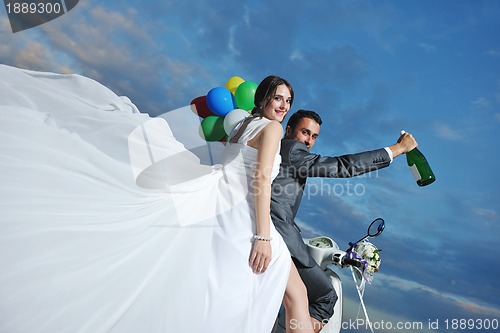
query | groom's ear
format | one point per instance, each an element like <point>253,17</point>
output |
<point>288,130</point>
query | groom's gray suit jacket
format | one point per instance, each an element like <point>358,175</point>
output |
<point>297,163</point>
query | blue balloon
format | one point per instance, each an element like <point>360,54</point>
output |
<point>220,101</point>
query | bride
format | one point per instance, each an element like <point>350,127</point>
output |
<point>108,224</point>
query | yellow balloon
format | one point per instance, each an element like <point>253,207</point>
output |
<point>233,83</point>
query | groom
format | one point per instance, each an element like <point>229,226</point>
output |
<point>297,164</point>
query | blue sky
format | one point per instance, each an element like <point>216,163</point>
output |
<point>370,68</point>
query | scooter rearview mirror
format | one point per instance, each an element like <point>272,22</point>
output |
<point>376,227</point>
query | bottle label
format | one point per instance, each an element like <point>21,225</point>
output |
<point>414,171</point>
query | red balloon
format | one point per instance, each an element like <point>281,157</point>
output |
<point>199,106</point>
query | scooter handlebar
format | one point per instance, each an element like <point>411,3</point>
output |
<point>352,262</point>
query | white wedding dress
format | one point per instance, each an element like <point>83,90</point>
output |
<point>108,224</point>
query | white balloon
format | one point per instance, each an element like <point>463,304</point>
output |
<point>233,118</point>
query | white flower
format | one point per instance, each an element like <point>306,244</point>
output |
<point>369,253</point>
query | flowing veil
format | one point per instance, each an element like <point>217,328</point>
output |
<point>85,245</point>
<point>109,224</point>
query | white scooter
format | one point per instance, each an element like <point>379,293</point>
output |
<point>327,255</point>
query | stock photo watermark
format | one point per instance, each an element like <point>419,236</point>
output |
<point>430,324</point>
<point>325,187</point>
<point>339,187</point>
<point>26,14</point>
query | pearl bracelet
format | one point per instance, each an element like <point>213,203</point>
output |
<point>262,238</point>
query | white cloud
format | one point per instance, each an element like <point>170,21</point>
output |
<point>487,213</point>
<point>493,52</point>
<point>308,230</point>
<point>481,101</point>
<point>296,55</point>
<point>230,45</point>
<point>469,305</point>
<point>115,47</point>
<point>246,16</point>
<point>446,132</point>
<point>427,47</point>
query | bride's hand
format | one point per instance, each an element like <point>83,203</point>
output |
<point>261,256</point>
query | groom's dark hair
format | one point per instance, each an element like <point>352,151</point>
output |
<point>295,118</point>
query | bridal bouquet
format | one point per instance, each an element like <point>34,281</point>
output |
<point>369,254</point>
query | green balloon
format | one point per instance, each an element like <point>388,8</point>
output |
<point>212,128</point>
<point>245,94</point>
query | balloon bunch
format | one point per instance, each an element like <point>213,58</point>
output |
<point>224,107</point>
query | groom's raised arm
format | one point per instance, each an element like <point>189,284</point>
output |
<point>308,164</point>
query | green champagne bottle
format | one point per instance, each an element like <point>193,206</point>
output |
<point>419,167</point>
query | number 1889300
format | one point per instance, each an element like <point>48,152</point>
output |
<point>471,324</point>
<point>33,8</point>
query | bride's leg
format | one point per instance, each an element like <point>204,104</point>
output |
<point>296,305</point>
